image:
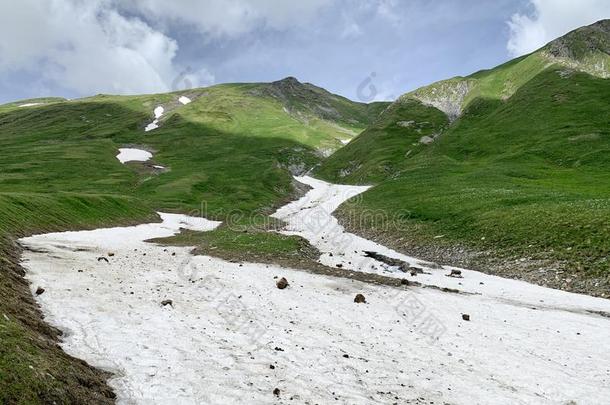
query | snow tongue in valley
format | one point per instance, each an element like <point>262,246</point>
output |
<point>178,328</point>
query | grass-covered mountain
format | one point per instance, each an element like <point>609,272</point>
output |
<point>586,50</point>
<point>505,170</point>
<point>234,147</point>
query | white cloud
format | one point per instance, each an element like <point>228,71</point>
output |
<point>86,47</point>
<point>551,19</point>
<point>351,29</point>
<point>122,46</point>
<point>228,18</point>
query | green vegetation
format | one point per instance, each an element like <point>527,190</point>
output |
<point>523,178</point>
<point>512,178</point>
<point>586,49</point>
<point>232,148</point>
<point>246,242</point>
<point>394,138</point>
<point>33,369</point>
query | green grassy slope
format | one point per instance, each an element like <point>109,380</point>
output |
<point>381,151</point>
<point>33,369</point>
<point>585,49</point>
<point>233,147</point>
<point>515,182</point>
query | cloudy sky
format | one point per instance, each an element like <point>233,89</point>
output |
<point>362,49</point>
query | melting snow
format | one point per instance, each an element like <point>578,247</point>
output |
<point>228,323</point>
<point>133,155</point>
<point>184,100</point>
<point>30,104</point>
<point>155,124</point>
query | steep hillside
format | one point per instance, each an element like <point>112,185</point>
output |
<point>402,131</point>
<point>585,49</point>
<point>233,147</point>
<point>514,185</point>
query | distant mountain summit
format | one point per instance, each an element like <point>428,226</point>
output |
<point>305,100</point>
<point>582,42</point>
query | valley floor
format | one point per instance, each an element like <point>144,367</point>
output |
<point>229,335</point>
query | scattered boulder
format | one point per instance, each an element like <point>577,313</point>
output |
<point>339,265</point>
<point>39,291</point>
<point>165,303</point>
<point>282,283</point>
<point>455,274</point>
<point>404,281</point>
<point>346,356</point>
<point>402,265</point>
<point>276,392</point>
<point>110,254</point>
<point>466,317</point>
<point>359,299</point>
<point>272,367</point>
<point>101,258</point>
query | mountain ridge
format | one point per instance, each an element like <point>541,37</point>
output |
<point>585,49</point>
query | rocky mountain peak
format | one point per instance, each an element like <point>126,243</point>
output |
<point>584,41</point>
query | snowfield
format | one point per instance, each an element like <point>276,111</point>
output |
<point>184,100</point>
<point>158,112</point>
<point>230,336</point>
<point>133,155</point>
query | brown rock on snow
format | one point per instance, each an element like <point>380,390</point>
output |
<point>455,274</point>
<point>282,283</point>
<point>276,392</point>
<point>359,299</point>
<point>466,317</point>
<point>39,291</point>
<point>167,302</point>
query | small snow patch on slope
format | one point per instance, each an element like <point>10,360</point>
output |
<point>133,155</point>
<point>30,104</point>
<point>184,100</point>
<point>155,124</point>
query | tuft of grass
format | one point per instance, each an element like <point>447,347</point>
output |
<point>247,242</point>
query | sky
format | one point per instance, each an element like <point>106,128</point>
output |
<point>362,49</point>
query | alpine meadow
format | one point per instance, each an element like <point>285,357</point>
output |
<point>274,242</point>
